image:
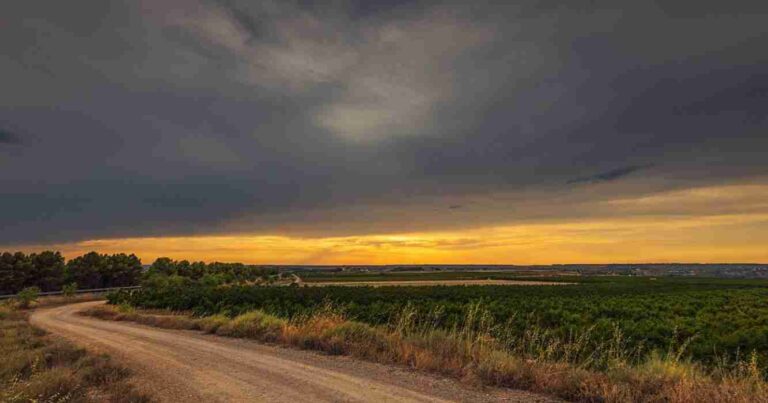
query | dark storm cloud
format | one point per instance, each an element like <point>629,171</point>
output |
<point>6,137</point>
<point>191,117</point>
<point>608,176</point>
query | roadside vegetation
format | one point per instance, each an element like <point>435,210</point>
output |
<point>473,354</point>
<point>37,367</point>
<point>604,339</point>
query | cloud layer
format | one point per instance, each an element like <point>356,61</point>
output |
<point>190,117</point>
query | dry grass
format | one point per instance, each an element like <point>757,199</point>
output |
<point>211,324</point>
<point>470,354</point>
<point>48,301</point>
<point>56,300</point>
<point>40,368</point>
<point>127,313</point>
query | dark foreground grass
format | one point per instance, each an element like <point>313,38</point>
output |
<point>472,354</point>
<point>36,367</point>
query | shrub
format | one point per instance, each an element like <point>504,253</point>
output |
<point>255,325</point>
<point>27,296</point>
<point>69,290</point>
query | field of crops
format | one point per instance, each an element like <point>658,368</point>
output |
<point>712,321</point>
<point>310,277</point>
<point>418,283</point>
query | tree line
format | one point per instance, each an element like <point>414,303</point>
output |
<point>48,271</point>
<point>210,273</point>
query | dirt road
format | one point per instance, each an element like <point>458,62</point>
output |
<point>187,366</point>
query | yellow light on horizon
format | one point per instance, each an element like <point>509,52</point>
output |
<point>723,238</point>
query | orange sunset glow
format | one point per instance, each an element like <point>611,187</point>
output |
<point>735,231</point>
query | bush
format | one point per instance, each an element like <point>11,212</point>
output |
<point>27,296</point>
<point>69,290</point>
<point>255,325</point>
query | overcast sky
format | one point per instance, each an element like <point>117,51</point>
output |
<point>123,120</point>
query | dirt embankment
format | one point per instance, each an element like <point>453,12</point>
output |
<point>182,366</point>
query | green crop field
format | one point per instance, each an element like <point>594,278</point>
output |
<point>318,277</point>
<point>711,321</point>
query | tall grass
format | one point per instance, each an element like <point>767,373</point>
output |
<point>478,351</point>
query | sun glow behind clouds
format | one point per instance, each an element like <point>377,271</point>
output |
<point>720,238</point>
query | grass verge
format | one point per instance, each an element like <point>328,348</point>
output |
<point>470,354</point>
<point>37,367</point>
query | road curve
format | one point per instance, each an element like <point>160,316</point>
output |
<point>186,366</point>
